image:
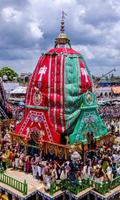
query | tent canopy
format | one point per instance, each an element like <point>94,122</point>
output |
<point>19,90</point>
<point>116,90</point>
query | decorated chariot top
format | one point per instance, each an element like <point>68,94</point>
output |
<point>54,92</point>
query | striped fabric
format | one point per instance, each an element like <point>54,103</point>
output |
<point>57,83</point>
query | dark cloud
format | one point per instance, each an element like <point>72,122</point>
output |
<point>15,54</point>
<point>16,4</point>
<point>29,27</point>
<point>100,12</point>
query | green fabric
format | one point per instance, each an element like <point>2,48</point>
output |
<point>36,107</point>
<point>72,91</point>
<point>89,121</point>
<point>105,165</point>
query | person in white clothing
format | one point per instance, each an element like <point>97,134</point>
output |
<point>86,172</point>
<point>109,173</point>
<point>47,180</point>
<point>63,175</point>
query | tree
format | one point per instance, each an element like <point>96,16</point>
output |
<point>10,73</point>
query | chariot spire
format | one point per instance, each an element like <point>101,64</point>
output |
<point>62,38</point>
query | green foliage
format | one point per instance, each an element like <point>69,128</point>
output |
<point>10,73</point>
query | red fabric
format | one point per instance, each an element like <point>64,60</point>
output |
<point>37,121</point>
<point>58,94</point>
<point>46,90</point>
<point>35,84</point>
<point>85,79</point>
<point>63,50</point>
<point>63,95</point>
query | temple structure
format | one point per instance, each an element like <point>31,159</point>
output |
<point>60,105</point>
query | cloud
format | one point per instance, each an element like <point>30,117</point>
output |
<point>10,14</point>
<point>29,27</point>
<point>35,30</point>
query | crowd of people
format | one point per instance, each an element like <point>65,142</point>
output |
<point>111,116</point>
<point>111,111</point>
<point>101,165</point>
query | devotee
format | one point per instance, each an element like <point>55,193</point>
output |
<point>87,170</point>
<point>21,161</point>
<point>12,157</point>
<point>99,174</point>
<point>4,159</point>
<point>47,180</point>
<point>72,177</point>
<point>1,166</point>
<point>64,174</point>
<point>33,166</point>
<point>16,161</point>
<point>39,170</point>
<point>114,169</point>
<point>7,137</point>
<point>109,173</point>
<point>54,173</point>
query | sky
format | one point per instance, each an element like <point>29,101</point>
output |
<point>29,28</point>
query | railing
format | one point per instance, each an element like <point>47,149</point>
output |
<point>104,187</point>
<point>12,182</point>
<point>79,186</point>
<point>74,187</point>
<point>115,182</point>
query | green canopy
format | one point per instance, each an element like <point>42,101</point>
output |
<point>89,121</point>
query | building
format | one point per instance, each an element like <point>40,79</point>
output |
<point>17,95</point>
